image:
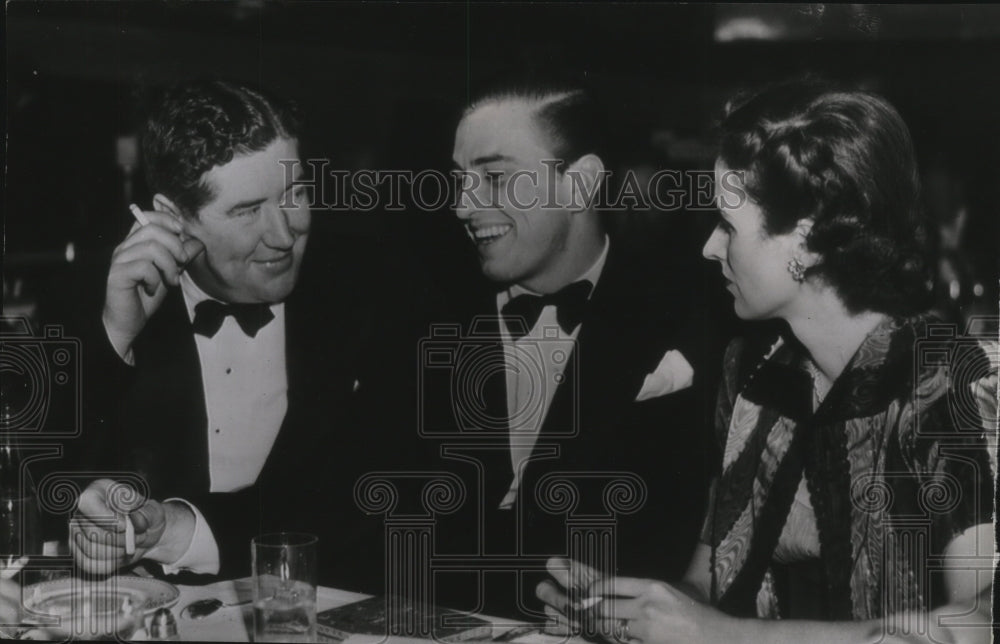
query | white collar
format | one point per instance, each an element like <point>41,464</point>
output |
<point>193,294</point>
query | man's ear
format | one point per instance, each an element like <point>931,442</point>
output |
<point>582,181</point>
<point>162,203</point>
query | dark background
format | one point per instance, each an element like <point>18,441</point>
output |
<point>382,85</point>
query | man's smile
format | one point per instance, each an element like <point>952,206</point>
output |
<point>278,264</point>
<point>484,235</point>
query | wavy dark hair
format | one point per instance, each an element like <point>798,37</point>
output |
<point>198,125</point>
<point>566,110</point>
<point>843,159</point>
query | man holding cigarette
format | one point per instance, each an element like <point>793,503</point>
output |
<point>198,288</point>
<point>226,387</point>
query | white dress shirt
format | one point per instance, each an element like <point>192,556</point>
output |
<point>246,393</point>
<point>246,396</point>
<point>534,367</point>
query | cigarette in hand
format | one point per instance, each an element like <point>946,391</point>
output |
<point>590,602</point>
<point>139,216</point>
<point>144,221</point>
<point>129,536</point>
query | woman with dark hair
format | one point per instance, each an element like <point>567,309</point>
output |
<point>855,497</point>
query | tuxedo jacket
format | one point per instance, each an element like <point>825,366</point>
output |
<point>346,404</point>
<point>635,472</point>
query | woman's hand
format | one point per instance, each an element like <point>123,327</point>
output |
<point>624,609</point>
<point>566,595</point>
<point>650,611</point>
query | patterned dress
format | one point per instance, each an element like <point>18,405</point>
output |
<point>898,460</point>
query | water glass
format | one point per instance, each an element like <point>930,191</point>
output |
<point>284,587</point>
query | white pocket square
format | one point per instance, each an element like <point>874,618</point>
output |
<point>672,374</point>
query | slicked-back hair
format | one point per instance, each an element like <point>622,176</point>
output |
<point>198,125</point>
<point>843,159</point>
<point>565,111</point>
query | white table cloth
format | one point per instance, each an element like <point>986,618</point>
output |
<point>235,624</point>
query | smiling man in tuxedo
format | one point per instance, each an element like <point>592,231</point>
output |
<point>226,380</point>
<point>599,379</point>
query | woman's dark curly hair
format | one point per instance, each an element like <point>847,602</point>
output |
<point>198,125</point>
<point>845,160</point>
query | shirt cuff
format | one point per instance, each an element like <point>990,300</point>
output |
<point>202,555</point>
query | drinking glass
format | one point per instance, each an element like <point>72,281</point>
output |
<point>284,587</point>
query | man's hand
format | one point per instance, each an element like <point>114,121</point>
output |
<point>97,531</point>
<point>151,258</point>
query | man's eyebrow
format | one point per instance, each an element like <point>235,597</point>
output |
<point>490,158</point>
<point>256,202</point>
<point>246,204</point>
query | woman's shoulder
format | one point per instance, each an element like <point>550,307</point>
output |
<point>946,428</point>
<point>951,405</point>
<point>959,367</point>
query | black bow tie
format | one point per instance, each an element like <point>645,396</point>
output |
<point>570,302</point>
<point>210,314</point>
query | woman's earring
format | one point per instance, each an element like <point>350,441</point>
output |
<point>797,269</point>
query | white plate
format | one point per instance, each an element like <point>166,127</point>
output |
<point>56,597</point>
<point>93,607</point>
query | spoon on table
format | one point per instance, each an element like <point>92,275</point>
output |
<point>205,607</point>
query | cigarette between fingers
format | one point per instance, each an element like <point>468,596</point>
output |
<point>590,602</point>
<point>138,214</point>
<point>129,536</point>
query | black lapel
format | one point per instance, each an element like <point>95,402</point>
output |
<point>166,408</point>
<point>486,335</point>
<point>613,353</point>
<point>296,342</point>
<point>300,342</point>
<point>314,366</point>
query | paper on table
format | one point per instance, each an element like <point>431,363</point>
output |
<point>529,638</point>
<point>382,639</point>
<point>236,624</point>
